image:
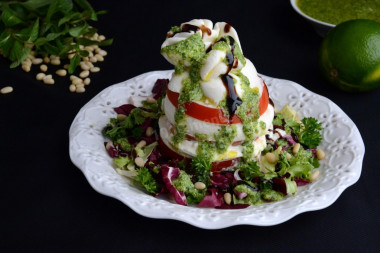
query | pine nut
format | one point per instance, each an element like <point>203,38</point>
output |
<point>199,185</point>
<point>80,89</point>
<point>93,59</point>
<point>151,100</point>
<point>46,59</point>
<point>47,77</point>
<point>72,88</point>
<point>26,68</point>
<point>149,131</point>
<point>102,52</point>
<point>99,57</point>
<point>314,176</point>
<point>27,61</point>
<point>77,81</point>
<point>95,69</point>
<point>109,145</point>
<point>288,156</point>
<point>296,148</point>
<point>89,64</point>
<point>271,158</point>
<point>84,74</point>
<point>141,144</point>
<point>61,72</point>
<point>89,48</point>
<point>72,77</point>
<point>81,85</point>
<point>70,56</point>
<point>87,81</point>
<point>37,61</point>
<point>66,66</point>
<point>227,198</point>
<point>49,81</point>
<point>43,68</point>
<point>55,61</point>
<point>320,154</point>
<point>53,57</point>
<point>84,66</point>
<point>85,59</point>
<point>40,76</point>
<point>7,89</point>
<point>121,117</point>
<point>101,37</point>
<point>139,162</point>
<point>30,57</point>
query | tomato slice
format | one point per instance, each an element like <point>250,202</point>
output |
<point>214,115</point>
<point>216,166</point>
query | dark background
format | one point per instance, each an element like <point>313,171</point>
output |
<point>48,206</point>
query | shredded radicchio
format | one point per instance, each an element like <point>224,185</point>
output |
<point>168,174</point>
<point>124,109</point>
<point>159,87</point>
<point>213,200</point>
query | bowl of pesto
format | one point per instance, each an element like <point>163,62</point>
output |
<point>325,14</point>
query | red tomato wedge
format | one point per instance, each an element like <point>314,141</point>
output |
<point>216,166</point>
<point>213,115</point>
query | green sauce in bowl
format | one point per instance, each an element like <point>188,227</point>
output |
<point>338,11</point>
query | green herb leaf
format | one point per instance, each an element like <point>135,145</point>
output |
<point>74,62</point>
<point>9,18</point>
<point>145,178</point>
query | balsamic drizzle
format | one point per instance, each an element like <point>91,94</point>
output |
<point>233,100</point>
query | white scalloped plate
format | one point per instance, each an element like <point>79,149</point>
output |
<point>342,144</point>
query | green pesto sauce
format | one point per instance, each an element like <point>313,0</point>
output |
<point>338,11</point>
<point>224,138</point>
<point>184,184</point>
<point>191,49</point>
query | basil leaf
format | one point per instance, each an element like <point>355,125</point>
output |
<point>9,18</point>
<point>26,52</point>
<point>4,37</point>
<point>34,32</point>
<point>79,30</point>
<point>74,62</point>
<point>86,6</point>
<point>16,51</point>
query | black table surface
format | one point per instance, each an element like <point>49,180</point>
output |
<point>48,205</point>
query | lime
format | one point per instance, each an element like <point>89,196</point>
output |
<point>349,56</point>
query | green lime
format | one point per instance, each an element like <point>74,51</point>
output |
<point>349,56</point>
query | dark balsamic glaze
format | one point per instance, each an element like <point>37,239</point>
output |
<point>227,28</point>
<point>233,100</point>
<point>188,28</point>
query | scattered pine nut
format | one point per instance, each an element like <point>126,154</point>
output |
<point>95,69</point>
<point>99,57</point>
<point>80,89</point>
<point>72,88</point>
<point>46,59</point>
<point>199,185</point>
<point>121,117</point>
<point>37,61</point>
<point>40,76</point>
<point>227,198</point>
<point>139,162</point>
<point>61,72</point>
<point>151,100</point>
<point>320,154</point>
<point>77,81</point>
<point>149,131</point>
<point>84,74</point>
<point>72,77</point>
<point>87,81</point>
<point>66,66</point>
<point>314,176</point>
<point>296,148</point>
<point>93,59</point>
<point>84,66</point>
<point>43,68</point>
<point>26,68</point>
<point>6,90</point>
<point>101,37</point>
<point>109,145</point>
<point>102,52</point>
<point>271,158</point>
<point>55,61</point>
<point>141,144</point>
<point>49,81</point>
